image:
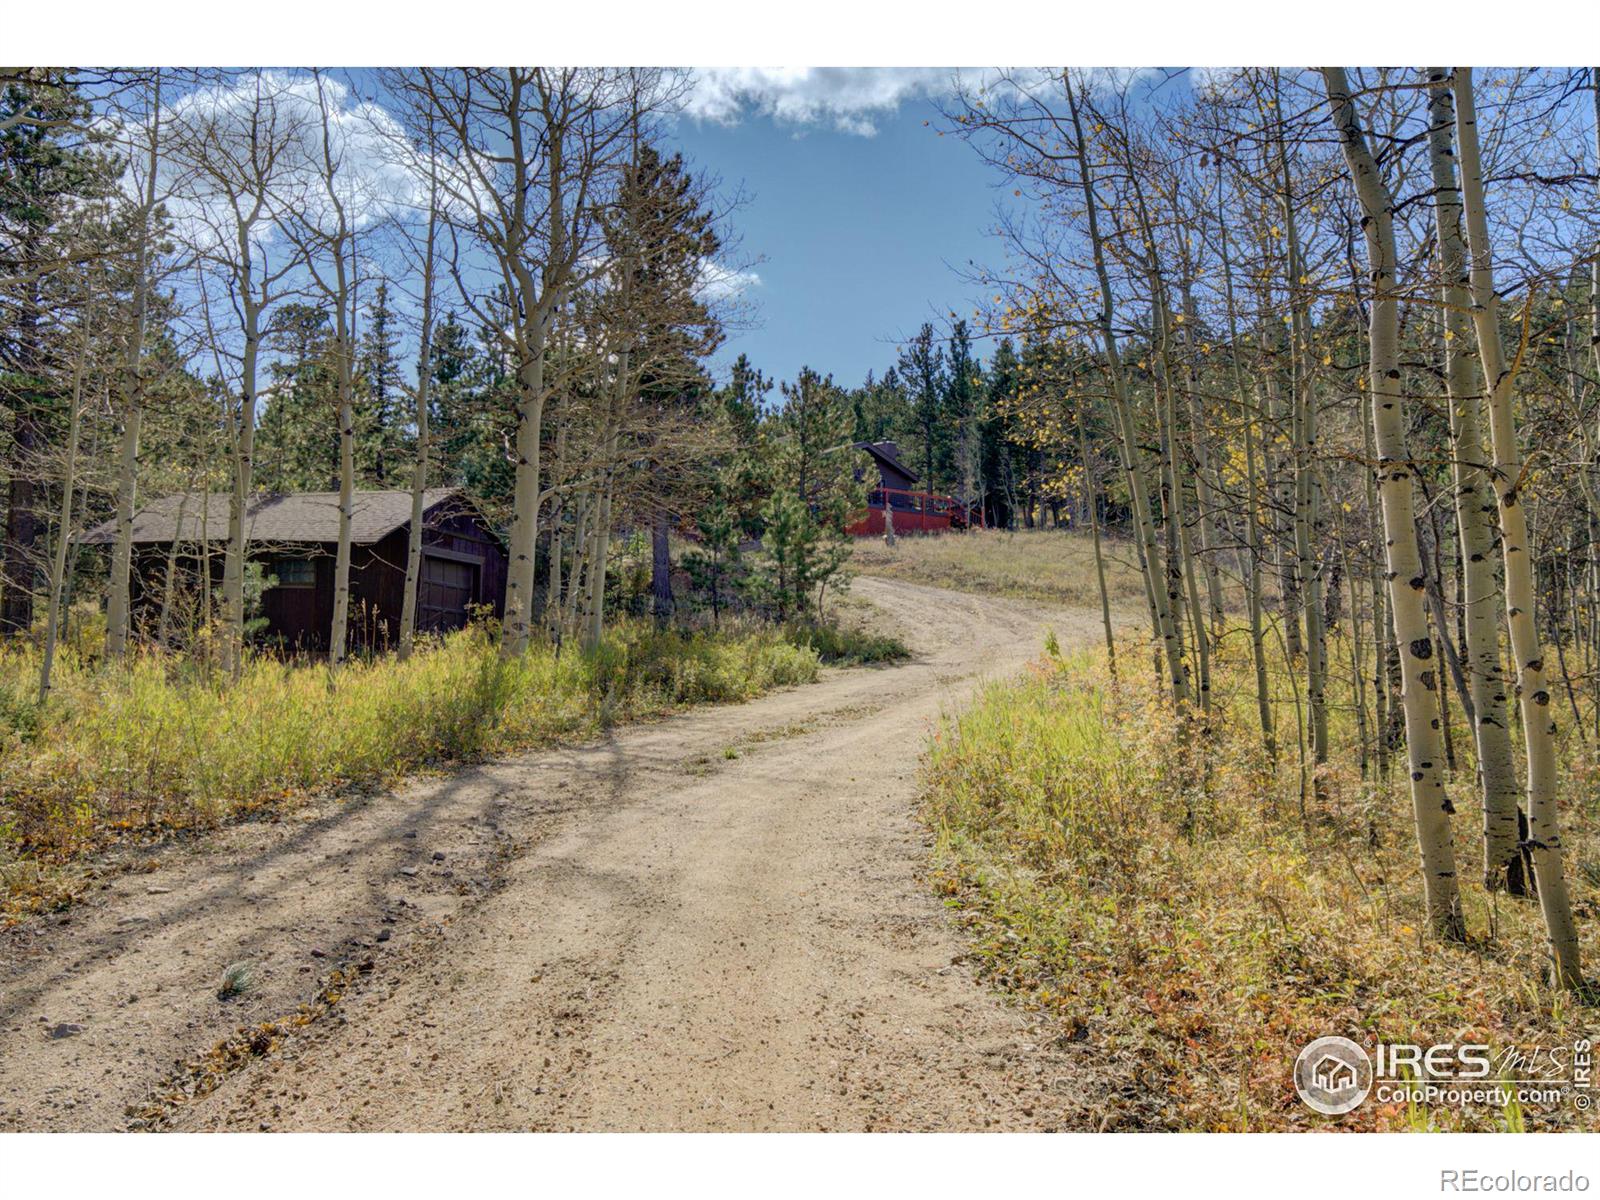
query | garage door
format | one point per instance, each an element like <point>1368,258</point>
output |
<point>446,588</point>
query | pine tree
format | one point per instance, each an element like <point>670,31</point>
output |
<point>817,489</point>
<point>297,446</point>
<point>49,168</point>
<point>380,433</point>
<point>963,405</point>
<point>922,370</point>
<point>1002,461</point>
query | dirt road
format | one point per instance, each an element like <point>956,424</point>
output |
<point>716,922</point>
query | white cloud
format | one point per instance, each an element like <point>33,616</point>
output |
<point>723,283</point>
<point>209,135</point>
<point>849,99</point>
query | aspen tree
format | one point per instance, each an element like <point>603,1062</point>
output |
<point>419,468</point>
<point>233,165</point>
<point>1255,563</point>
<point>1089,493</point>
<point>1475,507</point>
<point>1419,668</point>
<point>530,153</point>
<point>133,397</point>
<point>69,485</point>
<point>1307,490</point>
<point>338,242</point>
<point>1533,695</point>
<point>1132,454</point>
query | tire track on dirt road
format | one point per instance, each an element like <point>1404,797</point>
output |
<point>714,922</point>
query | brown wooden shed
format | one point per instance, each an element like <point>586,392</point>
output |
<point>295,537</point>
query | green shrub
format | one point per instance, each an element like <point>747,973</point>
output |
<point>844,645</point>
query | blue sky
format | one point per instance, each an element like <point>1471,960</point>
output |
<point>857,222</point>
<point>860,236</point>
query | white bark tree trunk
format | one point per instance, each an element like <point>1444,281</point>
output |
<point>1475,508</point>
<point>1533,695</point>
<point>1419,667</point>
<point>118,602</point>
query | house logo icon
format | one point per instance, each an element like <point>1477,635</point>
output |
<point>1333,1075</point>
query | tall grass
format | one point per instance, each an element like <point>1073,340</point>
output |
<point>1178,911</point>
<point>156,747</point>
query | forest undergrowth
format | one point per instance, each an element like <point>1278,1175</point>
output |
<point>1193,916</point>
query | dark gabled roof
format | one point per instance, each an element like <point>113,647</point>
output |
<point>296,517</point>
<point>889,453</point>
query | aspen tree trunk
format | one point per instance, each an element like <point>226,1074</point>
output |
<point>69,485</point>
<point>344,347</point>
<point>1252,521</point>
<point>1094,533</point>
<point>1358,688</point>
<point>552,604</point>
<point>1131,453</point>
<point>339,634</point>
<point>1308,569</point>
<point>597,567</point>
<point>1382,633</point>
<point>570,610</point>
<point>169,584</point>
<point>525,499</point>
<point>1538,721</point>
<point>1419,668</point>
<point>419,470</point>
<point>1280,485</point>
<point>243,471</point>
<point>1206,511</point>
<point>1475,508</point>
<point>517,622</point>
<point>1185,557</point>
<point>1182,593</point>
<point>552,587</point>
<point>600,545</point>
<point>118,603</point>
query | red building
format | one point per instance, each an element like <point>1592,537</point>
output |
<point>913,511</point>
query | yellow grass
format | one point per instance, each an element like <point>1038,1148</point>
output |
<point>1048,565</point>
<point>1191,927</point>
<point>143,751</point>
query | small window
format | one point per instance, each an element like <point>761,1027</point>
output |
<point>295,572</point>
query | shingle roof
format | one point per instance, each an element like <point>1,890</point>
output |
<point>297,517</point>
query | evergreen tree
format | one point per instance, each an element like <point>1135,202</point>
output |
<point>297,444</point>
<point>472,423</point>
<point>50,170</point>
<point>1002,461</point>
<point>743,479</point>
<point>922,369</point>
<point>882,410</point>
<point>381,448</point>
<point>963,403</point>
<point>816,490</point>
